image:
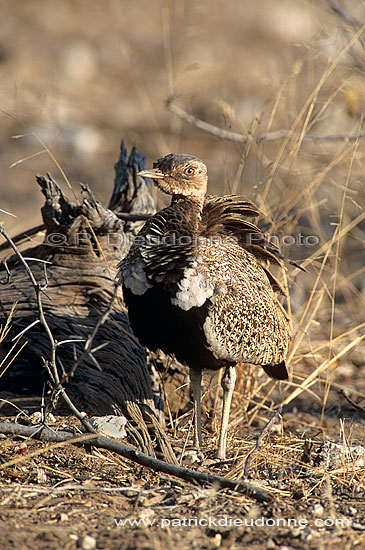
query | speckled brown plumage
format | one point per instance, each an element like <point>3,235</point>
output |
<point>197,283</point>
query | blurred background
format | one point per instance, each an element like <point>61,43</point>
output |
<point>77,76</point>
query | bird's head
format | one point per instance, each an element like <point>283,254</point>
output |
<point>178,174</point>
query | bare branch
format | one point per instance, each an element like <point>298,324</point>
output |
<point>23,235</point>
<point>25,330</point>
<point>241,138</point>
<point>132,454</point>
<point>133,217</point>
<point>88,344</point>
<point>8,213</point>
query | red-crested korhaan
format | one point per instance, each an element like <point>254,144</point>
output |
<point>197,284</point>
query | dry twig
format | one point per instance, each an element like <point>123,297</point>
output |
<point>155,464</point>
<point>352,403</point>
<point>258,138</point>
<point>266,429</point>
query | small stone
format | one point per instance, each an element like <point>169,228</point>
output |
<point>41,475</point>
<point>253,513</point>
<point>318,510</point>
<point>270,544</point>
<point>351,511</point>
<point>110,425</point>
<point>87,542</point>
<point>22,448</point>
<point>207,462</point>
<point>62,517</point>
<point>190,457</point>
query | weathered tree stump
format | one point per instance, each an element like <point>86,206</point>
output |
<point>82,245</point>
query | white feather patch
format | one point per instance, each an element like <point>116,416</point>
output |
<point>194,290</point>
<point>134,278</point>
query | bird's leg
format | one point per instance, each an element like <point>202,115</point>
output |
<point>196,380</point>
<point>228,383</point>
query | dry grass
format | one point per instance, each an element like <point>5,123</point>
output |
<point>313,85</point>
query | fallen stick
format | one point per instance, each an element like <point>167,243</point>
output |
<point>45,434</point>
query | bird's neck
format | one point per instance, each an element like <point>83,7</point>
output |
<point>190,208</point>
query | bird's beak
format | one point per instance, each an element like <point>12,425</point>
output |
<point>153,174</point>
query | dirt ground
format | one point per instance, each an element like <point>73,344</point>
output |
<point>76,77</point>
<point>62,495</point>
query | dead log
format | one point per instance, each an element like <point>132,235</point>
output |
<point>76,263</point>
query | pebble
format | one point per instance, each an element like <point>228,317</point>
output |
<point>190,457</point>
<point>318,510</point>
<point>87,542</point>
<point>109,426</point>
<point>216,542</point>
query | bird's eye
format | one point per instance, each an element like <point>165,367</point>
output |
<point>189,170</point>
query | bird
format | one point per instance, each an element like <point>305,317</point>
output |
<point>197,284</point>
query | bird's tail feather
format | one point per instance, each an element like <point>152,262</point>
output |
<point>279,371</point>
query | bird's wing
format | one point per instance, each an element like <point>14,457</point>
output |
<point>245,321</point>
<point>226,216</point>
